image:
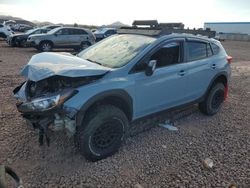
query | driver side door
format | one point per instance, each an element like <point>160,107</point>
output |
<point>166,87</point>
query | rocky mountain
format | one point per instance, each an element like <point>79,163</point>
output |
<point>16,19</point>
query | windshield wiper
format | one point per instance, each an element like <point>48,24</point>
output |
<point>94,61</point>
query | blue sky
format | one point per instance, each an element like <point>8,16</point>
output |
<point>193,13</point>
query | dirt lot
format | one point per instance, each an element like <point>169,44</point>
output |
<point>152,158</point>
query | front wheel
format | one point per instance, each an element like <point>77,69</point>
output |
<point>214,99</point>
<point>102,132</point>
<point>45,46</point>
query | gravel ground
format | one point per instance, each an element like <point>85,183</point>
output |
<point>152,158</point>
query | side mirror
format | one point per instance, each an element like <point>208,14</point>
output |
<point>150,67</point>
<point>56,34</point>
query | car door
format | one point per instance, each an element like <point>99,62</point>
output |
<point>200,66</point>
<point>83,36</point>
<point>166,87</point>
<point>74,38</point>
<point>62,38</point>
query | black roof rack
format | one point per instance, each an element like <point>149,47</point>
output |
<point>153,28</point>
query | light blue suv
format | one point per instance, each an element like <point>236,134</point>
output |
<point>97,93</point>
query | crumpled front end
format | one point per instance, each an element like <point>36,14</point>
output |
<point>42,103</point>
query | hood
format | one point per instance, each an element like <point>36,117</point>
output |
<point>49,64</point>
<point>38,35</point>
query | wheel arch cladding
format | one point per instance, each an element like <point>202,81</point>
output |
<point>219,78</point>
<point>222,78</point>
<point>118,98</point>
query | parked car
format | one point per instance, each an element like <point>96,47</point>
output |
<point>97,93</point>
<point>5,31</point>
<point>20,39</point>
<point>62,37</point>
<point>21,27</point>
<point>104,33</point>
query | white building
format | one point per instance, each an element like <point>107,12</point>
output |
<point>229,27</point>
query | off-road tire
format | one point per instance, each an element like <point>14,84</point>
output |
<point>213,100</point>
<point>102,118</point>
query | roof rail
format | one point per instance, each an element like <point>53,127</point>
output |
<point>153,28</point>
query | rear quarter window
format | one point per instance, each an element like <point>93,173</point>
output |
<point>215,48</point>
<point>78,32</point>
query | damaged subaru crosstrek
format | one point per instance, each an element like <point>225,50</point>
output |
<point>97,93</point>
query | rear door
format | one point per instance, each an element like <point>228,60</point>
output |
<point>83,36</point>
<point>201,67</point>
<point>74,37</point>
<point>62,38</point>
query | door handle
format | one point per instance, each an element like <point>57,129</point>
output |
<point>213,66</point>
<point>181,73</point>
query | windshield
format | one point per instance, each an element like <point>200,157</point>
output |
<point>52,31</point>
<point>116,51</point>
<point>100,30</point>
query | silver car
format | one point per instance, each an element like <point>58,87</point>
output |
<point>62,37</point>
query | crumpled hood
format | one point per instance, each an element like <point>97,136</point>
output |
<point>49,64</point>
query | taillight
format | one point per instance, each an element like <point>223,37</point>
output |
<point>229,59</point>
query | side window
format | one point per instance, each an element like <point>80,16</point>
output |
<point>73,32</point>
<point>82,32</point>
<point>196,50</point>
<point>168,54</point>
<point>38,31</point>
<point>63,32</point>
<point>215,48</point>
<point>1,25</point>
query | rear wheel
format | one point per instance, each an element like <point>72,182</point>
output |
<point>84,45</point>
<point>45,46</point>
<point>102,132</point>
<point>214,99</point>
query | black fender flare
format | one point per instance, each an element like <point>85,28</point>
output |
<point>115,93</point>
<point>223,73</point>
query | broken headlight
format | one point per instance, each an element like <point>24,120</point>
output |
<point>43,103</point>
<point>46,103</point>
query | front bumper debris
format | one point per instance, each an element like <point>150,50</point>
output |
<point>56,118</point>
